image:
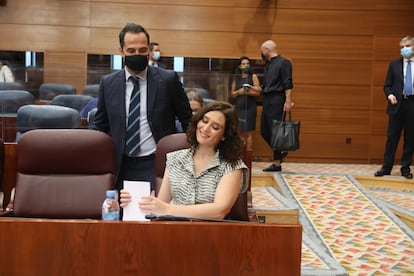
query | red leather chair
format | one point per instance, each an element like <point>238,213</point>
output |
<point>63,173</point>
<point>178,141</point>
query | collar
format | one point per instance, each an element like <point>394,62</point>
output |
<point>142,75</point>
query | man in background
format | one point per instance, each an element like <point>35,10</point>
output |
<point>277,89</point>
<point>398,89</point>
<point>155,55</point>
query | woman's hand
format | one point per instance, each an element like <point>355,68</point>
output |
<point>125,198</point>
<point>152,205</point>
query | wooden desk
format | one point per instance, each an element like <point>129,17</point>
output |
<point>89,247</point>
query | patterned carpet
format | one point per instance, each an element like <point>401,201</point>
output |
<point>346,229</point>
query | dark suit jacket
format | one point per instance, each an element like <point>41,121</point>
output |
<point>166,101</point>
<point>394,84</point>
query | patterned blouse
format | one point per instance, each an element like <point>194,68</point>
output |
<point>187,189</point>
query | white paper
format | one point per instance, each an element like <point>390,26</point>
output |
<point>137,189</point>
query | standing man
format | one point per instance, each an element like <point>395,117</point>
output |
<point>398,89</point>
<point>277,89</point>
<point>155,55</point>
<point>137,106</point>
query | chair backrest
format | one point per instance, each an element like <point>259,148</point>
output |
<point>165,145</point>
<point>63,173</point>
<point>11,86</point>
<point>91,90</point>
<point>178,141</point>
<point>31,117</point>
<point>77,102</point>
<point>12,100</point>
<point>47,91</point>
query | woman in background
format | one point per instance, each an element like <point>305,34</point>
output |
<point>245,87</point>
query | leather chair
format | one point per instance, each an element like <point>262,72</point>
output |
<point>31,117</point>
<point>12,100</point>
<point>63,173</point>
<point>91,90</point>
<point>178,141</point>
<point>11,86</point>
<point>77,102</point>
<point>47,91</point>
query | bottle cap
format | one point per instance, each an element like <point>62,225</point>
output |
<point>110,193</point>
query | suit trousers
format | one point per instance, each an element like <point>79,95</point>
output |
<point>403,119</point>
<point>272,110</point>
<point>137,169</point>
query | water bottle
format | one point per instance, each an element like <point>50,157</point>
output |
<point>110,207</point>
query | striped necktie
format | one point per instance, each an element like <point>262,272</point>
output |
<point>132,143</point>
<point>408,84</point>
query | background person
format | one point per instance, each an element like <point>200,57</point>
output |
<point>6,74</point>
<point>245,88</point>
<point>155,55</point>
<point>398,89</point>
<point>205,180</point>
<point>277,89</point>
<point>159,100</point>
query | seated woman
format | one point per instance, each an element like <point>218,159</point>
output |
<point>204,180</point>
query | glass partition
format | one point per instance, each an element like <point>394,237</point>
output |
<point>212,77</point>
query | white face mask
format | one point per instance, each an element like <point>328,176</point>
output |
<point>406,52</point>
<point>156,55</point>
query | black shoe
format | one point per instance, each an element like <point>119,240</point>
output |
<point>405,171</point>
<point>273,168</point>
<point>382,172</point>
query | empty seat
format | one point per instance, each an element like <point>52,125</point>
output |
<point>63,173</point>
<point>11,86</point>
<point>12,100</point>
<point>31,117</point>
<point>77,102</point>
<point>91,90</point>
<point>47,91</point>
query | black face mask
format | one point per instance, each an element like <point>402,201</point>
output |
<point>136,63</point>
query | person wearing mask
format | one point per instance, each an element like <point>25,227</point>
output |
<point>398,89</point>
<point>245,88</point>
<point>204,180</point>
<point>137,106</point>
<point>155,55</point>
<point>277,90</point>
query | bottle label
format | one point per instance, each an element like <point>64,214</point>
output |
<point>110,216</point>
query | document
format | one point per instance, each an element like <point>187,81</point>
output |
<point>137,189</point>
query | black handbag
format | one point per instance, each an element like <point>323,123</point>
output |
<point>285,134</point>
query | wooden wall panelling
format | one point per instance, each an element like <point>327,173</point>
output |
<point>335,97</point>
<point>46,12</point>
<point>41,38</point>
<point>388,22</point>
<point>66,67</point>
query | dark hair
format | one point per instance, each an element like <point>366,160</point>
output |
<point>152,44</point>
<point>231,148</point>
<point>240,61</point>
<point>131,28</point>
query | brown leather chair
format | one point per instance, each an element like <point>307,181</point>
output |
<point>63,173</point>
<point>178,141</point>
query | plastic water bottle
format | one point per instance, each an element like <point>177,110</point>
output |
<point>110,207</point>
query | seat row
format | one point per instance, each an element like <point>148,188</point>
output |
<point>47,91</point>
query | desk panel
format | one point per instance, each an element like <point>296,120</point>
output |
<point>89,247</point>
